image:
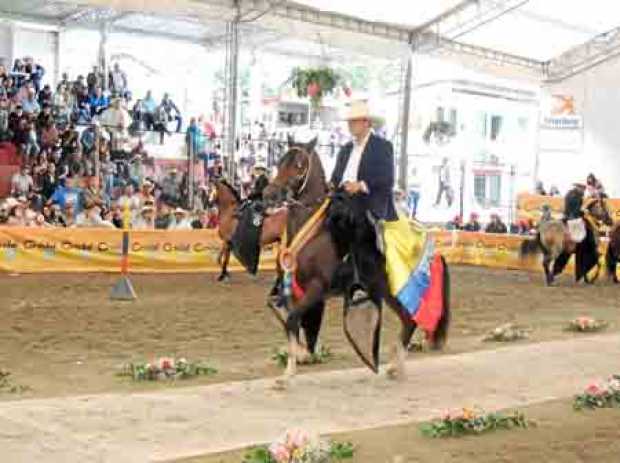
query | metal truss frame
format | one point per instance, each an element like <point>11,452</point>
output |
<point>579,59</point>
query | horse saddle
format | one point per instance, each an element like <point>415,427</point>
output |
<point>245,242</point>
<point>576,230</point>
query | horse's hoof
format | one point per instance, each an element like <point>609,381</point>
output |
<point>304,358</point>
<point>224,278</point>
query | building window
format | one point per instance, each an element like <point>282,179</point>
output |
<point>496,127</point>
<point>495,188</point>
<point>481,125</point>
<point>453,119</point>
<point>440,114</point>
<point>480,191</point>
<point>488,189</point>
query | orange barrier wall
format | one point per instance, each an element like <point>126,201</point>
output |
<point>36,250</point>
<point>529,206</point>
<point>39,250</point>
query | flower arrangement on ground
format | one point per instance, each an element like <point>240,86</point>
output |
<point>298,446</point>
<point>321,355</point>
<point>471,422</point>
<point>586,325</point>
<point>506,333</point>
<point>600,395</point>
<point>166,368</point>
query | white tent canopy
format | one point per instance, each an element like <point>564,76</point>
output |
<point>535,29</point>
<point>541,37</point>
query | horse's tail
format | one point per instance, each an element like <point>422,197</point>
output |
<point>441,332</point>
<point>530,246</point>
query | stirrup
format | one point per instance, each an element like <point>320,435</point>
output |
<point>358,295</point>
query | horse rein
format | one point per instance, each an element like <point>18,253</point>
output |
<point>305,176</point>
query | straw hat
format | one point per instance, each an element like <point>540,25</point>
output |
<point>178,210</point>
<point>579,185</point>
<point>359,110</point>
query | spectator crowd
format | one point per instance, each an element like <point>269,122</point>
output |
<point>83,161</point>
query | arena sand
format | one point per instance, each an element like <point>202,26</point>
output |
<point>61,335</point>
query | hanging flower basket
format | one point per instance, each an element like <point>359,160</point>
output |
<point>314,83</point>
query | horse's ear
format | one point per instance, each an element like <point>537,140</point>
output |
<point>312,144</point>
<point>291,140</point>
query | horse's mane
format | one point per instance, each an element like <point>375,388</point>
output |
<point>232,189</point>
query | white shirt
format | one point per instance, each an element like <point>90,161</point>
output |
<point>353,164</point>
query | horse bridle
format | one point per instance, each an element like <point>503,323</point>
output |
<point>304,177</point>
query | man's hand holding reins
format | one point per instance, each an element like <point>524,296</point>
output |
<point>354,188</point>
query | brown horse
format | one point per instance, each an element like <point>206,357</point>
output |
<point>301,186</point>
<point>228,202</point>
<point>554,240</point>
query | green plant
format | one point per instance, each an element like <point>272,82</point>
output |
<point>322,355</point>
<point>314,83</point>
<point>258,455</point>
<point>7,384</point>
<point>469,422</point>
<point>341,450</point>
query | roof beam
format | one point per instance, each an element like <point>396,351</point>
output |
<point>293,11</point>
<point>583,57</point>
<point>481,12</point>
<point>30,18</point>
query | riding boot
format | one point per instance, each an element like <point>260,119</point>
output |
<point>357,293</point>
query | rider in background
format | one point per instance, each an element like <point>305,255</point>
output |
<point>260,180</point>
<point>573,202</point>
<point>594,187</point>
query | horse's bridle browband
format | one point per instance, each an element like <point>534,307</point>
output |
<point>304,177</point>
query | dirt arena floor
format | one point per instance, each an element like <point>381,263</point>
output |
<point>61,335</point>
<point>558,435</point>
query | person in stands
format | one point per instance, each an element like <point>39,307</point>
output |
<point>455,224</point>
<point>473,225</point>
<point>172,111</point>
<point>496,225</point>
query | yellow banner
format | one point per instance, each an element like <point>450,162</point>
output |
<point>35,250</point>
<point>494,251</point>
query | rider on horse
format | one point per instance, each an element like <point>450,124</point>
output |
<point>365,171</point>
<point>260,182</point>
<point>573,202</point>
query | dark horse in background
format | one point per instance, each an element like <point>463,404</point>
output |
<point>554,240</point>
<point>323,270</point>
<point>229,202</point>
<point>612,255</point>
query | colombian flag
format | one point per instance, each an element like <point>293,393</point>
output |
<point>415,272</point>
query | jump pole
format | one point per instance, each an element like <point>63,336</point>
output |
<point>123,289</point>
